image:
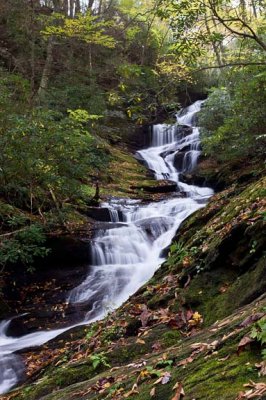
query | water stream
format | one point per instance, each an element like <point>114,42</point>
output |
<point>127,252</point>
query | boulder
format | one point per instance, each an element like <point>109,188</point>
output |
<point>179,159</point>
<point>99,213</point>
<point>162,187</point>
<point>183,130</point>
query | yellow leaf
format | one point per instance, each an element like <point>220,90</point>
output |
<point>140,341</point>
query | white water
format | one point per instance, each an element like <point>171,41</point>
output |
<point>127,253</point>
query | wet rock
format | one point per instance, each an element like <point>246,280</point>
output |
<point>167,153</point>
<point>162,187</point>
<point>99,213</point>
<point>203,181</point>
<point>183,130</point>
<point>179,159</point>
<point>67,251</point>
<point>155,226</point>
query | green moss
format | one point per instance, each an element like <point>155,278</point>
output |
<point>216,379</point>
<point>59,377</point>
<point>158,301</point>
<point>171,338</point>
<point>205,291</point>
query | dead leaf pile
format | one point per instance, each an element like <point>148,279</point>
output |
<point>257,390</point>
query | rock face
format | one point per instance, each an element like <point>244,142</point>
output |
<point>179,159</point>
<point>160,187</point>
<point>99,214</point>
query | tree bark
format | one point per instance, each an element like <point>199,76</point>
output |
<point>91,2</point>
<point>214,45</point>
<point>78,8</point>
<point>71,8</point>
<point>46,71</point>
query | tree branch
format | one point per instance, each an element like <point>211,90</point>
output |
<point>240,64</point>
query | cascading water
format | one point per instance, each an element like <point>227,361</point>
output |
<point>128,252</point>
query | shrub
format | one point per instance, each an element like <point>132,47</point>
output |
<point>233,118</point>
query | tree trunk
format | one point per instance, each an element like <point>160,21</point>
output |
<point>46,71</point>
<point>66,7</point>
<point>100,7</point>
<point>71,8</point>
<point>214,45</point>
<point>78,8</point>
<point>91,2</point>
<point>253,4</point>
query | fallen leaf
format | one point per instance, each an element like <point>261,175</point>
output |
<point>262,368</point>
<point>257,390</point>
<point>200,346</point>
<point>136,365</point>
<point>143,374</point>
<point>140,341</point>
<point>186,361</point>
<point>252,318</point>
<point>156,346</point>
<point>134,390</point>
<point>196,319</point>
<point>223,288</point>
<point>245,341</point>
<point>159,380</point>
<point>179,391</point>
<point>144,316</point>
<point>166,378</point>
<point>224,358</point>
<point>152,392</point>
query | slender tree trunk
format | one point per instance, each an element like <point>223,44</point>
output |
<point>31,33</point>
<point>220,45</point>
<point>214,45</point>
<point>66,7</point>
<point>71,8</point>
<point>100,7</point>
<point>254,9</point>
<point>91,2</point>
<point>147,39</point>
<point>243,9</point>
<point>90,58</point>
<point>46,71</point>
<point>78,8</point>
<point>57,5</point>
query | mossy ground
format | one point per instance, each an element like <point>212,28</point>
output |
<point>124,172</point>
<point>215,371</point>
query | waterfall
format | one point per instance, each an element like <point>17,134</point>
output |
<point>128,250</point>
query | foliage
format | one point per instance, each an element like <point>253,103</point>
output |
<point>214,110</point>
<point>232,118</point>
<point>199,26</point>
<point>177,253</point>
<point>87,28</point>
<point>47,158</point>
<point>259,333</point>
<point>23,246</point>
<point>99,360</point>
